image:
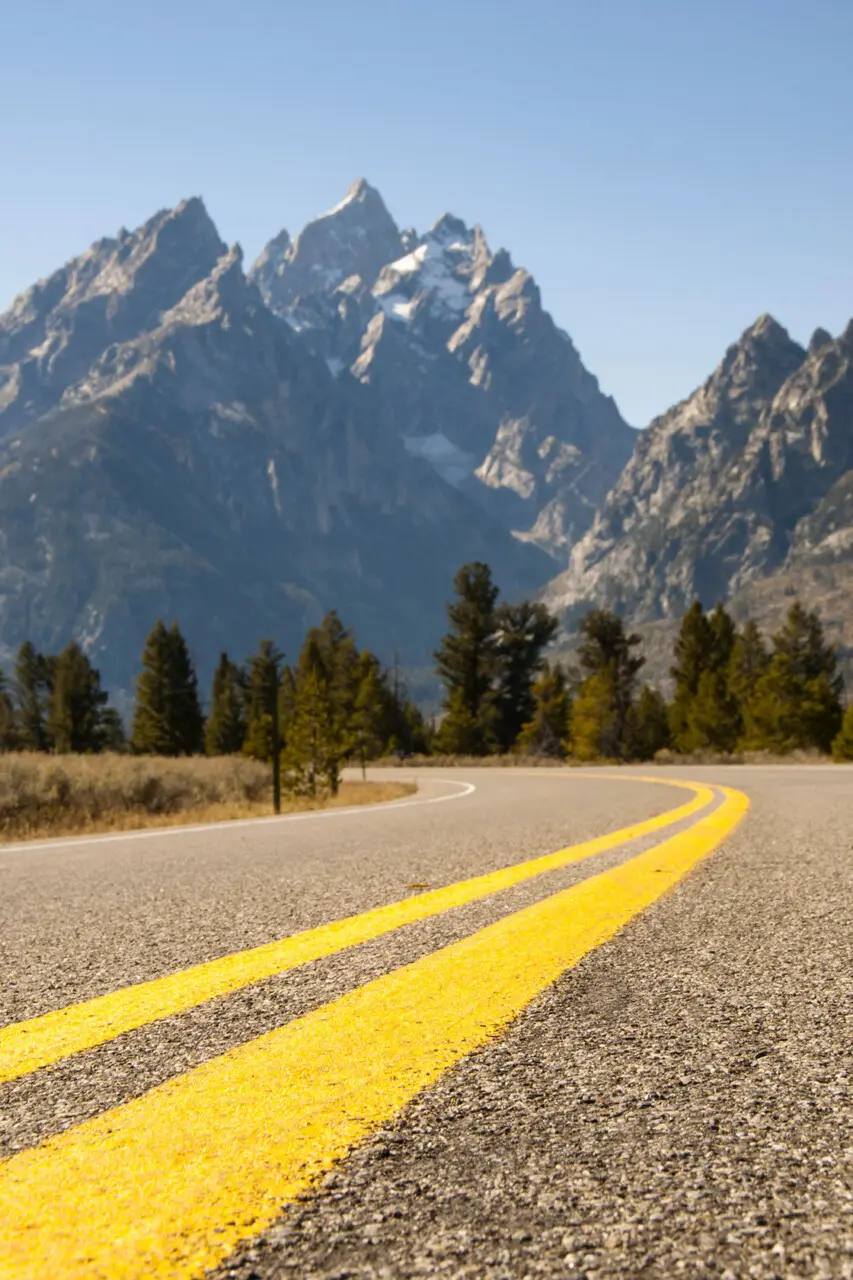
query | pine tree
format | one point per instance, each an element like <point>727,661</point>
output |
<point>723,637</point>
<point>797,702</point>
<point>748,663</point>
<point>9,740</point>
<point>76,705</point>
<point>694,653</point>
<point>189,720</point>
<point>167,717</point>
<point>316,741</point>
<point>333,651</point>
<point>417,734</point>
<point>524,631</point>
<point>371,714</point>
<point>842,743</point>
<point>593,731</point>
<point>606,651</point>
<point>648,725</point>
<point>31,690</point>
<point>225,731</point>
<point>466,663</point>
<point>111,732</point>
<point>261,693</point>
<point>152,719</point>
<point>547,730</point>
<point>713,720</point>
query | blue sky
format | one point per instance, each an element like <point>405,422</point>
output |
<point>667,169</point>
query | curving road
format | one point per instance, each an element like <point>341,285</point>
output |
<point>633,1058</point>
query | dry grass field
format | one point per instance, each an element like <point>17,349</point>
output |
<point>65,795</point>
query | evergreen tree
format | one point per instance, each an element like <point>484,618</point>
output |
<point>547,730</point>
<point>111,733</point>
<point>713,721</point>
<point>76,704</point>
<point>466,663</point>
<point>225,731</point>
<point>524,631</point>
<point>417,735</point>
<point>152,733</point>
<point>694,653</point>
<point>316,741</point>
<point>167,717</point>
<point>372,714</point>
<point>9,740</point>
<point>607,652</point>
<point>593,732</point>
<point>842,743</point>
<point>189,720</point>
<point>723,637</point>
<point>331,650</point>
<point>31,690</point>
<point>748,663</point>
<point>797,702</point>
<point>648,725</point>
<point>262,691</point>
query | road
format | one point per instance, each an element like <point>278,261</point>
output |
<point>529,1023</point>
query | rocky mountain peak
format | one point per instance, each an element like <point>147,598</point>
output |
<point>120,288</point>
<point>712,498</point>
<point>225,291</point>
<point>362,194</point>
<point>449,228</point>
<point>820,338</point>
<point>462,359</point>
<point>356,237</point>
<point>272,256</point>
<point>750,373</point>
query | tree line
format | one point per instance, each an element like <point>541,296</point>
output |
<point>337,703</point>
<point>732,690</point>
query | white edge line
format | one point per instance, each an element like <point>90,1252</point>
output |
<point>467,789</point>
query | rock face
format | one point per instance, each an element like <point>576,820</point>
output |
<point>169,447</point>
<point>357,237</point>
<point>466,365</point>
<point>750,476</point>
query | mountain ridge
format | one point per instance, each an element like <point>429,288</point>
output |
<point>743,483</point>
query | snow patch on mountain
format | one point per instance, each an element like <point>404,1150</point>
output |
<point>429,269</point>
<point>452,463</point>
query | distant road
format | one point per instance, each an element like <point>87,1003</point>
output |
<point>526,1023</point>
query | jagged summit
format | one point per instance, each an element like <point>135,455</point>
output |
<point>766,327</point>
<point>356,237</point>
<point>712,497</point>
<point>360,193</point>
<point>464,361</point>
<point>449,227</point>
<point>117,289</point>
<point>224,291</point>
<point>820,338</point>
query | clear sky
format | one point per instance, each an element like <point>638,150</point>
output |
<point>667,169</point>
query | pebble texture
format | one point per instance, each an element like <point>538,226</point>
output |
<point>678,1104</point>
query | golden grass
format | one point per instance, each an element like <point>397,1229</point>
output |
<point>74,795</point>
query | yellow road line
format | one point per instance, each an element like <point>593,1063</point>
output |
<point>38,1042</point>
<point>168,1184</point>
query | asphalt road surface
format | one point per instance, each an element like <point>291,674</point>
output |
<point>528,1023</point>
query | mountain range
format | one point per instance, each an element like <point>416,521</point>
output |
<point>361,411</point>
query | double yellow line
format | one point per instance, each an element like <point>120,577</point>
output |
<point>169,1183</point>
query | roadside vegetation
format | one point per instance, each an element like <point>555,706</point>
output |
<point>42,795</point>
<point>736,696</point>
<point>69,763</point>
